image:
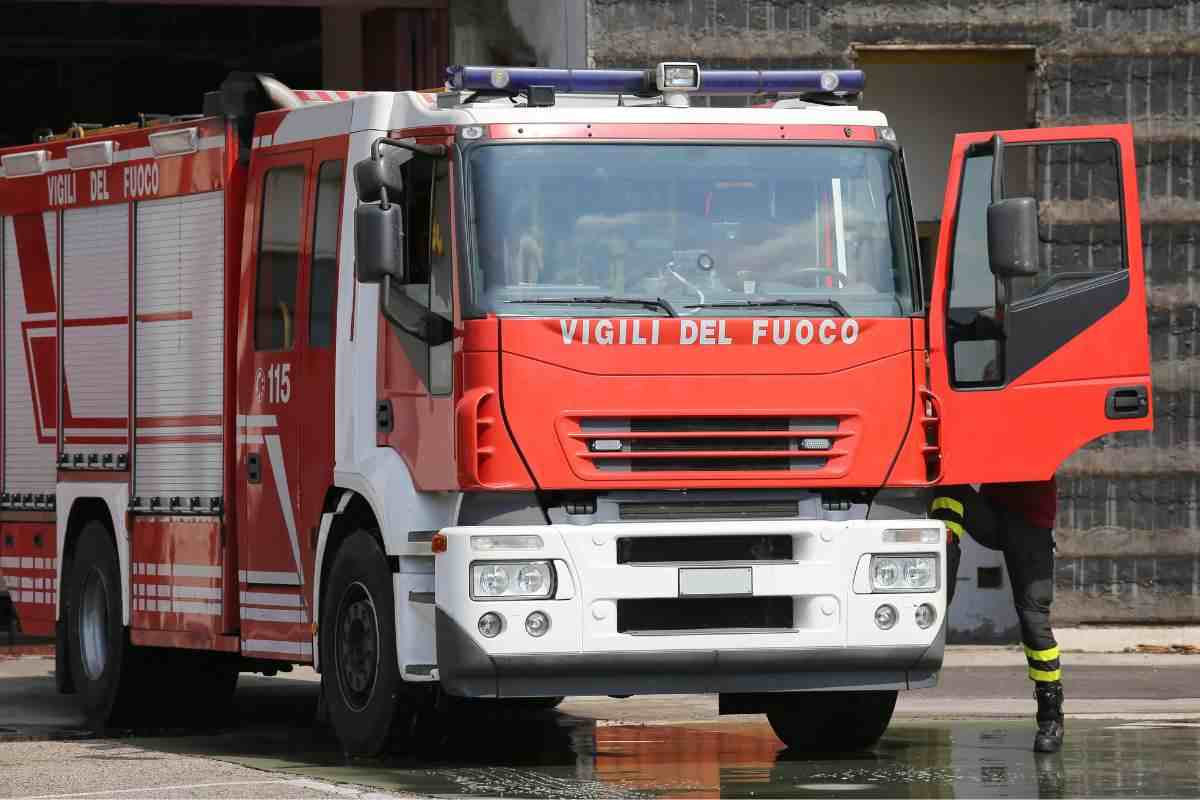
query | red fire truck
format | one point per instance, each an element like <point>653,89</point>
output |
<point>550,383</point>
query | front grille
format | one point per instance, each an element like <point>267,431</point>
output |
<point>711,424</point>
<point>683,549</point>
<point>677,614</point>
<point>710,443</point>
<point>713,509</point>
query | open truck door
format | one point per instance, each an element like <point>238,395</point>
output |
<point>1038,335</point>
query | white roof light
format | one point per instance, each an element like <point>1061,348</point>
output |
<point>92,154</point>
<point>174,143</point>
<point>678,77</point>
<point>17,165</point>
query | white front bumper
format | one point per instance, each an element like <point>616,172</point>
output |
<point>833,620</point>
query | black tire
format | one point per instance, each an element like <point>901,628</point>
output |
<point>105,668</point>
<point>832,721</point>
<point>360,679</point>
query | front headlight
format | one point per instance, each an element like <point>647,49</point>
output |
<point>516,580</point>
<point>904,573</point>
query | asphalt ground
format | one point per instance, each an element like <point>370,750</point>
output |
<point>1133,729</point>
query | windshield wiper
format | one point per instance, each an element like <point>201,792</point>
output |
<point>830,303</point>
<point>645,302</point>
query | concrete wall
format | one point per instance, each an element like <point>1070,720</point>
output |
<point>1129,525</point>
<point>543,33</point>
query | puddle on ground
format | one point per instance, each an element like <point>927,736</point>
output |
<point>557,755</point>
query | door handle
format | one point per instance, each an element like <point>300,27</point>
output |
<point>253,468</point>
<point>1127,402</point>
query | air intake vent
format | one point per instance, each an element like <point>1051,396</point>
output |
<point>704,615</point>
<point>774,444</point>
<point>713,509</point>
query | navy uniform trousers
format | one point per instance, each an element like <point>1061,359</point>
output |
<point>1028,554</point>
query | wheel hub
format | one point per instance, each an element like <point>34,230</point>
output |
<point>93,625</point>
<point>357,646</point>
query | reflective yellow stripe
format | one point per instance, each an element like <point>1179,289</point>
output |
<point>1039,675</point>
<point>1041,655</point>
<point>957,529</point>
<point>948,503</point>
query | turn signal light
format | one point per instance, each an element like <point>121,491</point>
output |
<point>438,543</point>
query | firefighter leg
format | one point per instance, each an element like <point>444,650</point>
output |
<point>1029,555</point>
<point>963,510</point>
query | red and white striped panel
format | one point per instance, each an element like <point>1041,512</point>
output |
<point>326,95</point>
<point>175,588</point>
<point>95,349</point>
<point>30,258</point>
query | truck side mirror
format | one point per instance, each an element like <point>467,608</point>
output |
<point>376,175</point>
<point>1012,236</point>
<point>379,243</point>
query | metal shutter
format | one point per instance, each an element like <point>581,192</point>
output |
<point>180,345</point>
<point>30,429</point>
<point>96,330</point>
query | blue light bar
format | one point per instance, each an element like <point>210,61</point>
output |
<point>781,81</point>
<point>517,79</point>
<point>642,82</point>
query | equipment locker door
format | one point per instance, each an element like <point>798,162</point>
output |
<point>275,556</point>
<point>1028,369</point>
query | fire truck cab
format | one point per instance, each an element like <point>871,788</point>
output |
<point>551,383</point>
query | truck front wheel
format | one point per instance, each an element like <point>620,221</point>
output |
<point>360,678</point>
<point>832,721</point>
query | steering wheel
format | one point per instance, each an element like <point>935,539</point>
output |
<point>817,272</point>
<point>684,282</point>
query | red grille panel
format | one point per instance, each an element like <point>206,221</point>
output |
<point>606,447</point>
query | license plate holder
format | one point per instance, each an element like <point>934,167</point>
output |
<point>715,581</point>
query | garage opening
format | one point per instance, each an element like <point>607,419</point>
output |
<point>929,95</point>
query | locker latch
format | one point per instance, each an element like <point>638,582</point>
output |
<point>254,468</point>
<point>384,421</point>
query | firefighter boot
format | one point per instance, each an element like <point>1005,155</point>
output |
<point>1049,697</point>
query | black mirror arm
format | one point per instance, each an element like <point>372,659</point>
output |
<point>413,318</point>
<point>432,150</point>
<point>997,169</point>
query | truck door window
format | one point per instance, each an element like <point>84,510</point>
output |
<point>278,259</point>
<point>322,299</point>
<point>440,275</point>
<point>1078,189</point>
<point>417,175</point>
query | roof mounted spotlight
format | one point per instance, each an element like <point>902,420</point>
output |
<point>675,80</point>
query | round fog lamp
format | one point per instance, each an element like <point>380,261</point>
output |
<point>491,624</point>
<point>537,623</point>
<point>926,615</point>
<point>885,617</point>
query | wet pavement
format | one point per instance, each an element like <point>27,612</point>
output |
<point>562,756</point>
<point>641,747</point>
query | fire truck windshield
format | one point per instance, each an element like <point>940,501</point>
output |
<point>708,229</point>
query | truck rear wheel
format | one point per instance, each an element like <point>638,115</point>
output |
<point>105,668</point>
<point>360,678</point>
<point>832,721</point>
